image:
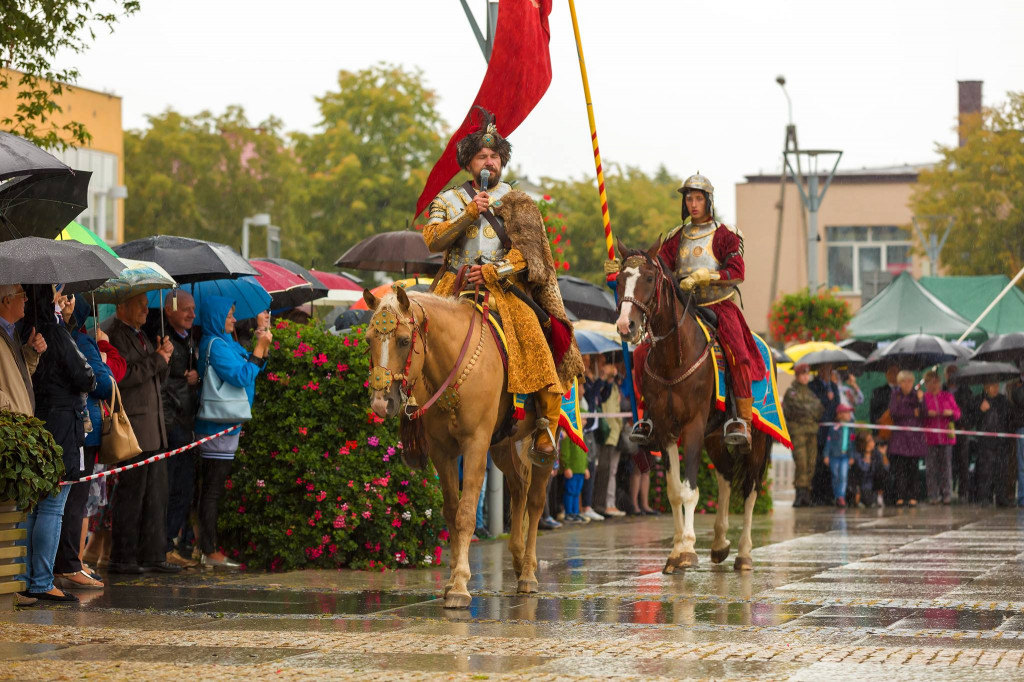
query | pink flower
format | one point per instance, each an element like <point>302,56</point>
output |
<point>228,485</point>
<point>317,515</point>
<point>288,532</point>
<point>271,376</point>
<point>309,487</point>
<point>339,521</point>
<point>396,522</point>
<point>350,484</point>
<point>344,506</point>
<point>321,496</point>
<point>260,483</point>
<point>303,430</point>
<point>241,510</point>
<point>391,451</point>
<point>342,367</point>
<point>373,441</point>
<point>320,359</point>
<point>312,522</point>
<point>403,499</point>
<point>366,514</point>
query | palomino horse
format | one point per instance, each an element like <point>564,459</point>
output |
<point>416,360</point>
<point>678,390</point>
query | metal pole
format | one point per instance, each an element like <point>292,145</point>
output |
<point>812,231</point>
<point>245,238</point>
<point>790,138</point>
<point>605,215</point>
<point>1006,290</point>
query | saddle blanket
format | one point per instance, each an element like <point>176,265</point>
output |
<point>768,417</point>
<point>569,418</point>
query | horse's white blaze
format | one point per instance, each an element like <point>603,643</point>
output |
<point>622,324</point>
<point>384,347</point>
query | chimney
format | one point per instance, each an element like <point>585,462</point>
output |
<point>969,103</point>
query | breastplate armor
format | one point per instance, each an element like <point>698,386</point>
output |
<point>479,244</point>
<point>695,252</point>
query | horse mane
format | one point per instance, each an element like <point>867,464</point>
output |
<point>390,301</point>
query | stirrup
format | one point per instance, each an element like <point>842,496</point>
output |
<point>539,457</point>
<point>739,437</point>
<point>641,432</point>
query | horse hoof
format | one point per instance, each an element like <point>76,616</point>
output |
<point>684,560</point>
<point>743,563</point>
<point>457,600</point>
<point>527,587</point>
<point>720,555</point>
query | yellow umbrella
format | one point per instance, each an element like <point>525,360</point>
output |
<point>801,349</point>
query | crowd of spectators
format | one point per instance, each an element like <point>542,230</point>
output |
<point>835,463</point>
<point>56,368</point>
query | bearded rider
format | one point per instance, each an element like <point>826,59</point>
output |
<point>707,259</point>
<point>497,235</point>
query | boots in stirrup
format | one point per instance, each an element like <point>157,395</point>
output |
<point>738,431</point>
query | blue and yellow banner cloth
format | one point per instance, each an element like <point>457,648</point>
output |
<point>569,417</point>
<point>768,417</point>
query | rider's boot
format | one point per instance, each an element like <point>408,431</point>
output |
<point>549,407</point>
<point>738,431</point>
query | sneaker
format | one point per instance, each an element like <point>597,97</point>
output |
<point>592,515</point>
<point>482,533</point>
<point>613,512</point>
<point>879,501</point>
<point>560,516</point>
<point>575,519</point>
<point>217,563</point>
<point>24,600</point>
<point>841,503</point>
<point>178,560</point>
<point>548,523</point>
<point>79,580</point>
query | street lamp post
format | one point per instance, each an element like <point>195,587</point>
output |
<point>812,198</point>
<point>258,220</point>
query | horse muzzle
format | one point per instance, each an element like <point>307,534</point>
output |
<point>385,403</point>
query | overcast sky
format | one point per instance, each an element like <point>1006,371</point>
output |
<point>688,85</point>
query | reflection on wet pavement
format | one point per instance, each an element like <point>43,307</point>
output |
<point>931,593</point>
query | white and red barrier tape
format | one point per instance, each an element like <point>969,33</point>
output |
<point>924,429</point>
<point>154,458</point>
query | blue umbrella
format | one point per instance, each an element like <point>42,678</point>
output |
<point>592,343</point>
<point>250,298</point>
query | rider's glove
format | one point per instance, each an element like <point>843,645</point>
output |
<point>700,277</point>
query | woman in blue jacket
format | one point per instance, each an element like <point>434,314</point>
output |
<point>238,367</point>
<point>68,565</point>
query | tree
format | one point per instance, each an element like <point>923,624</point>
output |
<point>981,185</point>
<point>200,176</point>
<point>379,135</point>
<point>643,207</point>
<point>34,33</point>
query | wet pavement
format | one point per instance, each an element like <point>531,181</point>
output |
<point>932,593</point>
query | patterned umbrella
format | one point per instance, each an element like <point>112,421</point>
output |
<point>80,233</point>
<point>286,288</point>
<point>138,277</point>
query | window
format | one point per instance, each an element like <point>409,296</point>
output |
<point>856,252</point>
<point>101,216</point>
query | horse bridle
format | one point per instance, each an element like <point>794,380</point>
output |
<point>385,324</point>
<point>648,307</point>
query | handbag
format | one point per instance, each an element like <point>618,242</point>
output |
<point>117,438</point>
<point>222,402</point>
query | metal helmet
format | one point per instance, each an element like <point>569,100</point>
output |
<point>698,182</point>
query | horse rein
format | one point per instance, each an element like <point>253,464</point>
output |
<point>648,307</point>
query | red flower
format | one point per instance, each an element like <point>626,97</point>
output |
<point>228,485</point>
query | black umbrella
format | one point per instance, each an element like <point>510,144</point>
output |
<point>978,372</point>
<point>398,251</point>
<point>586,300</point>
<point>913,352</point>
<point>830,356</point>
<point>319,289</point>
<point>779,356</point>
<point>21,157</point>
<point>34,260</point>
<point>1002,348</point>
<point>859,346</point>
<point>42,205</point>
<point>188,260</point>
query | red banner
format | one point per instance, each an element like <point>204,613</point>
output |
<point>518,75</point>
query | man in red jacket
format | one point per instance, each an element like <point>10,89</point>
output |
<point>707,259</point>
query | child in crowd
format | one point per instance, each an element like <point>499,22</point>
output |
<point>861,480</point>
<point>573,463</point>
<point>836,454</point>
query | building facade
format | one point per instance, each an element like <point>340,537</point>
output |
<point>100,112</point>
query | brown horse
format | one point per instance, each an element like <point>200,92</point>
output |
<point>415,343</point>
<point>678,391</point>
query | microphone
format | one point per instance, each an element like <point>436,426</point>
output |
<point>485,180</point>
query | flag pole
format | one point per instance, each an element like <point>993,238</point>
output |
<point>605,215</point>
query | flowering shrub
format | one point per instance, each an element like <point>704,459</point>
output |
<point>318,479</point>
<point>707,484</point>
<point>805,317</point>
<point>557,231</point>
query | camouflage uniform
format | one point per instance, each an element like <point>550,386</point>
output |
<point>803,411</point>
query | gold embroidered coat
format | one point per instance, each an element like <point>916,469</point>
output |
<point>531,367</point>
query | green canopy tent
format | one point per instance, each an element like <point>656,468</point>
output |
<point>969,296</point>
<point>905,307</point>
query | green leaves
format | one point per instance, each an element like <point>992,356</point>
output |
<point>31,463</point>
<point>801,316</point>
<point>981,186</point>
<point>35,32</point>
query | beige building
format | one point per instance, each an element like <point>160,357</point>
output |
<point>865,236</point>
<point>104,155</point>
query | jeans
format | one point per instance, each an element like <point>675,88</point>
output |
<point>43,526</point>
<point>840,467</point>
<point>1020,467</point>
<point>571,497</point>
<point>181,479</point>
<point>215,474</point>
<point>71,527</point>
